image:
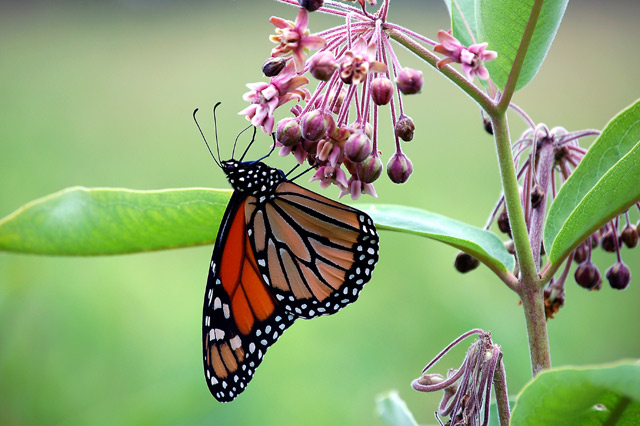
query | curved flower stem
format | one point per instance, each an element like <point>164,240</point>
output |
<point>458,79</point>
<point>502,396</point>
<point>510,87</point>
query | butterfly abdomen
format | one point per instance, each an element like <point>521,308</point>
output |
<point>252,177</point>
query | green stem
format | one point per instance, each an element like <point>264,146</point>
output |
<point>533,303</point>
<point>512,200</point>
<point>518,61</point>
<point>458,79</point>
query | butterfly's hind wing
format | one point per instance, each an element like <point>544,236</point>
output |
<point>241,317</point>
<point>314,253</point>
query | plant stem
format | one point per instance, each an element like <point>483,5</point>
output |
<point>533,303</point>
<point>512,200</point>
<point>502,396</point>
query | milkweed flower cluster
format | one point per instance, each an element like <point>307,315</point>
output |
<point>544,159</point>
<point>335,128</point>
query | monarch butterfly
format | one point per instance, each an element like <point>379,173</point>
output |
<point>282,253</point>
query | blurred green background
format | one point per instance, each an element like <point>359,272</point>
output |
<point>101,94</point>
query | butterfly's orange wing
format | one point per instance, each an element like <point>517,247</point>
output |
<point>315,254</point>
<point>241,316</point>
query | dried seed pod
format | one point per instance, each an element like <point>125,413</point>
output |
<point>465,262</point>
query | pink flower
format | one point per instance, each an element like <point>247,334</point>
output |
<point>356,188</point>
<point>473,59</point>
<point>266,97</point>
<point>294,38</point>
<point>359,61</point>
<point>330,174</point>
<point>449,46</point>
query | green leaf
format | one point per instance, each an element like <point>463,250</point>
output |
<point>483,245</point>
<point>501,23</point>
<point>394,410</point>
<point>460,30</point>
<point>606,183</point>
<point>595,395</point>
<point>83,221</point>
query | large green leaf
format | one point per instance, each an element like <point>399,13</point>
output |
<point>394,410</point>
<point>83,221</point>
<point>597,395</point>
<point>606,183</point>
<point>483,245</point>
<point>501,23</point>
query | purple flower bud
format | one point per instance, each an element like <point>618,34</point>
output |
<point>404,128</point>
<point>595,240</point>
<point>381,90</point>
<point>314,125</point>
<point>273,66</point>
<point>358,147</point>
<point>609,241</point>
<point>409,81</point>
<point>537,195</point>
<point>629,236</point>
<point>288,131</point>
<point>322,65</point>
<point>587,275</point>
<point>311,5</point>
<point>503,222</point>
<point>488,125</point>
<point>619,276</point>
<point>399,168</point>
<point>371,169</point>
<point>580,253</point>
<point>465,262</point>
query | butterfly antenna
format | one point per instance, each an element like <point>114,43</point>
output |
<point>273,135</point>
<point>299,174</point>
<point>292,170</point>
<point>215,130</point>
<point>205,139</point>
<point>253,138</point>
<point>236,141</point>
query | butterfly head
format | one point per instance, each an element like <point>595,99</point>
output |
<point>252,177</point>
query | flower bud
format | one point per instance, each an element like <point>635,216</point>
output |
<point>629,236</point>
<point>399,168</point>
<point>610,241</point>
<point>322,65</point>
<point>510,246</point>
<point>587,275</point>
<point>409,81</point>
<point>431,379</point>
<point>488,125</point>
<point>537,195</point>
<point>404,128</point>
<point>465,262</point>
<point>314,125</point>
<point>311,5</point>
<point>580,253</point>
<point>619,276</point>
<point>358,147</point>
<point>595,240</point>
<point>273,66</point>
<point>371,169</point>
<point>381,90</point>
<point>503,222</point>
<point>288,131</point>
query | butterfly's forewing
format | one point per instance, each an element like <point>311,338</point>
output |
<point>314,253</point>
<point>241,317</point>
